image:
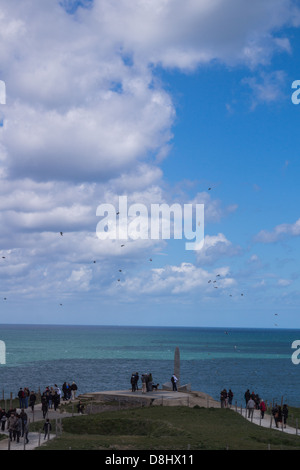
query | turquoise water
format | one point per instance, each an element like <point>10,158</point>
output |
<point>103,358</point>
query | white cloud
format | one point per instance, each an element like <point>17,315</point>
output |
<point>279,232</point>
<point>87,119</point>
<point>83,102</point>
<point>267,88</point>
<point>183,279</point>
<point>216,247</point>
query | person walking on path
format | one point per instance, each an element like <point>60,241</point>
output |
<point>44,406</point>
<point>262,407</point>
<point>247,396</point>
<point>17,428</point>
<point>278,416</point>
<point>285,413</point>
<point>11,422</point>
<point>230,397</point>
<point>26,431</point>
<point>32,400</point>
<point>250,406</point>
<point>223,398</point>
<point>47,428</point>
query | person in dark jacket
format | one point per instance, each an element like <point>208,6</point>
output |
<point>44,406</point>
<point>247,396</point>
<point>47,428</point>
<point>132,381</point>
<point>74,388</point>
<point>32,400</point>
<point>285,413</point>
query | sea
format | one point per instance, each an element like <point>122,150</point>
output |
<point>100,358</point>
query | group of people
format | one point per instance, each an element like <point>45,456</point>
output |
<point>51,396</point>
<point>146,379</point>
<point>226,398</point>
<point>254,402</point>
<point>280,415</point>
<point>16,422</point>
<point>147,382</point>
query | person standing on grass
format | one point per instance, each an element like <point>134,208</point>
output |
<point>47,428</point>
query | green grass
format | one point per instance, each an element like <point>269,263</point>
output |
<point>167,428</point>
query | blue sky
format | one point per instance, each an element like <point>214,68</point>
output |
<point>159,102</point>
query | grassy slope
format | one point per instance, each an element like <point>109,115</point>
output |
<point>168,428</point>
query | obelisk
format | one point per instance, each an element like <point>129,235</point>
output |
<point>177,365</point>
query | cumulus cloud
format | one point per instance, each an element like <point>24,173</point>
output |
<point>216,247</point>
<point>83,101</point>
<point>183,279</point>
<point>280,232</point>
<point>86,118</point>
<point>267,88</point>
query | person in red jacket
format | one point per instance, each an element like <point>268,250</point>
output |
<point>262,407</point>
